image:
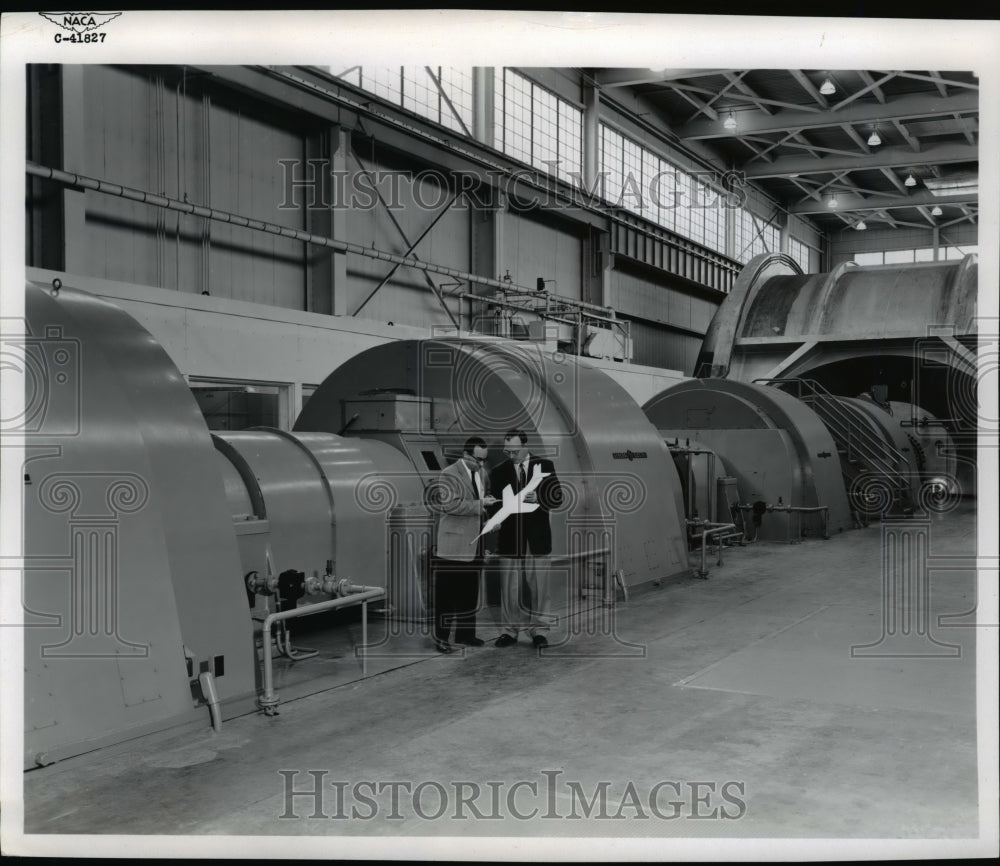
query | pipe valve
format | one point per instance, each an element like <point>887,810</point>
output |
<point>327,584</point>
<point>260,584</point>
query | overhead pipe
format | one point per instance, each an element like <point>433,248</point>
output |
<point>356,595</point>
<point>156,200</point>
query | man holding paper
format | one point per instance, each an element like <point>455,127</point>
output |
<point>525,536</point>
<point>460,499</point>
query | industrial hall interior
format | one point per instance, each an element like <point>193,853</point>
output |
<point>561,452</point>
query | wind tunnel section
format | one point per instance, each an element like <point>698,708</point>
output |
<point>621,495</point>
<point>902,336</point>
<point>776,470</point>
<point>134,615</point>
<point>162,562</point>
<point>323,507</point>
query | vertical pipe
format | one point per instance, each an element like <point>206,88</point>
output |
<point>482,104</point>
<point>591,127</point>
<point>364,639</point>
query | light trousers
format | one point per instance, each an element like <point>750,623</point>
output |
<point>515,613</point>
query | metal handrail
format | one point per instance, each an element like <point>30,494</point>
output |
<point>842,426</point>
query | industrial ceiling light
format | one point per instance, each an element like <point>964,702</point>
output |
<point>827,88</point>
<point>910,180</point>
<point>832,201</point>
<point>874,140</point>
<point>860,225</point>
<point>936,210</point>
<point>730,122</point>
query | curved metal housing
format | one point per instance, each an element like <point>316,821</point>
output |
<point>620,486</point>
<point>131,564</point>
<point>777,448</point>
<point>905,333</point>
<point>780,322</point>
<point>321,498</point>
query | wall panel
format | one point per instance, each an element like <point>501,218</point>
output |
<point>173,136</point>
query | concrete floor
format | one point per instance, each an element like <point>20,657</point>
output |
<point>724,708</point>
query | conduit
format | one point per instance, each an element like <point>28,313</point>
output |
<point>358,595</point>
<point>72,179</point>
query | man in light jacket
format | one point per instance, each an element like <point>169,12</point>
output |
<point>459,497</point>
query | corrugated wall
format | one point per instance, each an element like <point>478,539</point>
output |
<point>421,197</point>
<point>532,249</point>
<point>170,136</point>
<point>655,308</point>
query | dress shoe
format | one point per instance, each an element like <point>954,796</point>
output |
<point>472,641</point>
<point>540,640</point>
<point>505,640</point>
<point>443,646</point>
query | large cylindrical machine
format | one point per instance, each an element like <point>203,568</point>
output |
<point>903,333</point>
<point>427,397</point>
<point>131,583</point>
<point>778,450</point>
<point>322,504</point>
<point>148,541</point>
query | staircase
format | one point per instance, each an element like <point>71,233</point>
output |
<point>876,474</point>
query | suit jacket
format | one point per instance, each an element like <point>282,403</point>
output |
<point>459,513</point>
<point>526,534</point>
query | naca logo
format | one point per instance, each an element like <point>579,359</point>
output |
<point>80,22</point>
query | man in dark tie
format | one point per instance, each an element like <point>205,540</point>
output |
<point>459,497</point>
<point>522,540</point>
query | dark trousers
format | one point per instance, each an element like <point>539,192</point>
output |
<point>456,597</point>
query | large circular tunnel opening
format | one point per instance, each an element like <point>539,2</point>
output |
<point>936,390</point>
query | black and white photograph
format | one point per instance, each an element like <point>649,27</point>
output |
<point>495,435</point>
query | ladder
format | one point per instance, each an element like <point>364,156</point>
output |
<point>877,474</point>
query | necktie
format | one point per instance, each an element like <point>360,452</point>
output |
<point>521,477</point>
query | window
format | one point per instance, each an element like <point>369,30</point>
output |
<point>537,127</point>
<point>800,253</point>
<point>753,236</point>
<point>639,180</point>
<point>925,254</point>
<point>868,258</point>
<point>307,392</point>
<point>236,406</point>
<point>442,94</point>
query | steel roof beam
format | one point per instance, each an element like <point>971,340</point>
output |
<point>904,107</point>
<point>872,86</point>
<point>964,124</point>
<point>936,78</point>
<point>889,157</point>
<point>812,148</point>
<point>627,77</point>
<point>809,87</point>
<point>703,107</point>
<point>884,202</point>
<point>910,139</point>
<point>857,139</point>
<point>939,81</point>
<point>896,182</point>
